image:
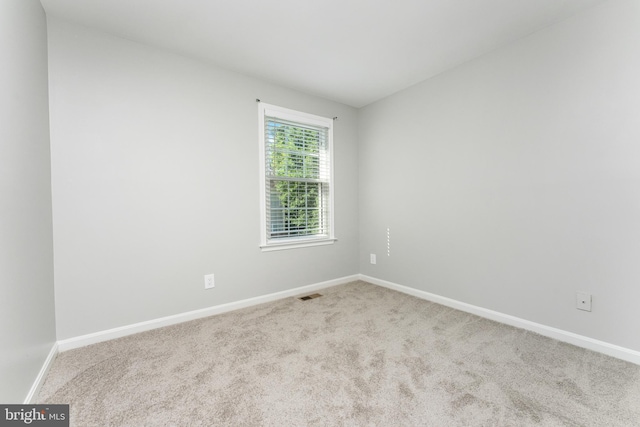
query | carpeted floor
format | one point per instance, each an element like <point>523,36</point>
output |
<point>360,355</point>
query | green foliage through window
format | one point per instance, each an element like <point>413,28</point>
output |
<point>297,176</point>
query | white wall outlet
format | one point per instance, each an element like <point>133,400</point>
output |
<point>209,282</point>
<point>583,301</point>
<point>372,258</point>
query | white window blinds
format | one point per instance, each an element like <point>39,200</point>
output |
<point>297,177</point>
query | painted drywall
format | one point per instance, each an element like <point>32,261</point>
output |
<point>155,178</point>
<point>511,182</point>
<point>27,319</point>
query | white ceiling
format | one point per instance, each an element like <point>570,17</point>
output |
<point>351,51</point>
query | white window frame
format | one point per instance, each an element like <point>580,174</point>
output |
<point>267,110</point>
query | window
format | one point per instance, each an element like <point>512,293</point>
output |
<point>296,177</point>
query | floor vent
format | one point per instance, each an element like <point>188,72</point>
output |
<point>308,297</point>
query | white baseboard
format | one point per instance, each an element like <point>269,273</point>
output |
<point>558,334</point>
<point>96,337</point>
<point>547,331</point>
<point>37,384</point>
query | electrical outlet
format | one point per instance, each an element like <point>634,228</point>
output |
<point>372,258</point>
<point>209,282</point>
<point>583,301</point>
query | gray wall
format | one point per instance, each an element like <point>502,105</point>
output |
<point>155,183</point>
<point>513,181</point>
<point>27,321</point>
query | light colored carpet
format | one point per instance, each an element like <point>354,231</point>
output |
<point>360,355</point>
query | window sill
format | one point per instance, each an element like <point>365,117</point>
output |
<point>294,244</point>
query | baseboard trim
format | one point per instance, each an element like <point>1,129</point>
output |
<point>547,331</point>
<point>37,384</point>
<point>96,337</point>
<point>558,334</point>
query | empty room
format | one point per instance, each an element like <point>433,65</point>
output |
<point>291,213</point>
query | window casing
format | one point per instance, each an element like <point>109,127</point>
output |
<point>296,178</point>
